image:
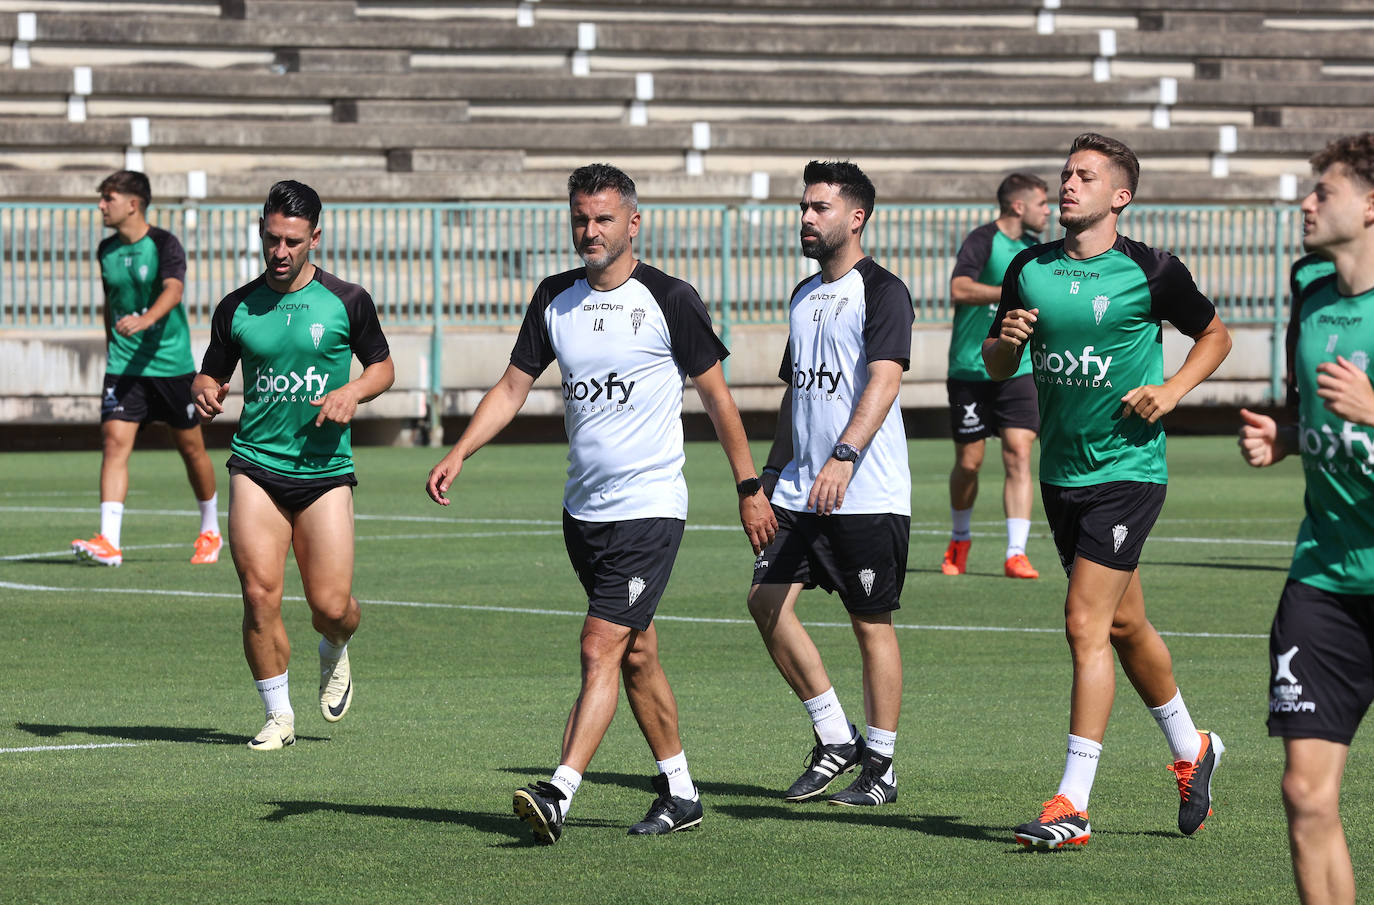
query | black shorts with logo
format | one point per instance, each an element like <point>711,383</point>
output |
<point>1321,663</point>
<point>1104,523</point>
<point>984,408</point>
<point>860,557</point>
<point>623,566</point>
<point>291,494</point>
<point>129,397</point>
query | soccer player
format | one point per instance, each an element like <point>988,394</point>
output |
<point>625,335</point>
<point>1322,668</point>
<point>148,368</point>
<point>296,329</point>
<point>840,485</point>
<point>1089,307</point>
<point>979,406</point>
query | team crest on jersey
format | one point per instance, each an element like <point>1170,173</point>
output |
<point>1100,303</point>
<point>1119,533</point>
<point>866,579</point>
<point>840,305</point>
<point>636,585</point>
<point>317,333</point>
<point>143,271</point>
<point>1360,359</point>
<point>1331,342</point>
<point>637,319</point>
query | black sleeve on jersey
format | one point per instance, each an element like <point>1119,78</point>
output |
<point>974,253</point>
<point>223,353</point>
<point>1011,288</point>
<point>171,257</point>
<point>1300,295</point>
<point>785,367</point>
<point>365,335</point>
<point>1174,297</point>
<point>696,348</point>
<point>533,350</point>
<point>889,316</point>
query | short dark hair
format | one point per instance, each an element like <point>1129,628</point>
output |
<point>1014,185</point>
<point>293,199</point>
<point>854,185</point>
<point>595,178</point>
<point>129,182</point>
<point>1122,157</point>
<point>1355,152</point>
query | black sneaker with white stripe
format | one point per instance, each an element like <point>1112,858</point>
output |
<point>1060,823</point>
<point>668,813</point>
<point>823,764</point>
<point>869,789</point>
<point>537,805</point>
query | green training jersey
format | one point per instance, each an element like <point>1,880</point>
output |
<point>984,257</point>
<point>1098,336</point>
<point>132,274</point>
<point>1335,548</point>
<point>295,349</point>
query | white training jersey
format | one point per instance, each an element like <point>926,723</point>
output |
<point>623,355</point>
<point>836,330</point>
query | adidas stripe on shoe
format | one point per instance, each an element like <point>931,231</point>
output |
<point>1059,824</point>
<point>869,789</point>
<point>668,813</point>
<point>823,764</point>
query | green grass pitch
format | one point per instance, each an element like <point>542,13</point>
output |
<point>466,664</point>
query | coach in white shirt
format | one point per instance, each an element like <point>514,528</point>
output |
<point>625,335</point>
<point>842,489</point>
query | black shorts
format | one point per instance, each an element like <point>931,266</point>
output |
<point>291,494</point>
<point>985,408</point>
<point>129,397</point>
<point>1321,663</point>
<point>860,557</point>
<point>623,566</point>
<point>1104,523</point>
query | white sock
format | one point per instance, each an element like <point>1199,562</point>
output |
<point>209,514</point>
<point>679,777</point>
<point>275,694</point>
<point>832,726</point>
<point>567,780</point>
<point>328,651</point>
<point>961,521</point>
<point>1080,769</point>
<point>1018,529</point>
<point>111,518</point>
<point>881,741</point>
<point>1177,726</point>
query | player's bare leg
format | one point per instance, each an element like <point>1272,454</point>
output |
<point>604,647</point>
<point>323,541</point>
<point>774,608</point>
<point>259,538</point>
<point>650,696</point>
<point>1311,795</point>
<point>1095,594</point>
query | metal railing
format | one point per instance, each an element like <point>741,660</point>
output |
<point>441,265</point>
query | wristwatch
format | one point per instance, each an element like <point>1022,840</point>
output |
<point>845,453</point>
<point>748,487</point>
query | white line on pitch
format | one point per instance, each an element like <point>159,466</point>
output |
<point>69,747</point>
<point>538,611</point>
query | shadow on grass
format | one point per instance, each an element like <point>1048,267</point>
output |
<point>943,825</point>
<point>640,782</point>
<point>1227,566</point>
<point>499,824</point>
<point>184,734</point>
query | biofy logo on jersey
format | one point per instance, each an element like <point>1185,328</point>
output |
<point>816,383</point>
<point>1068,368</point>
<point>594,395</point>
<point>1322,445</point>
<point>274,387</point>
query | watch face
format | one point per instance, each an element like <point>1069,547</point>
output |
<point>845,453</point>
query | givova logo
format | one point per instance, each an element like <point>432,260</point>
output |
<point>1082,368</point>
<point>286,387</point>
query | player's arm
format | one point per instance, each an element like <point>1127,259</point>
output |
<point>780,452</point>
<point>497,409</point>
<point>1346,391</point>
<point>755,514</point>
<point>208,393</point>
<point>884,382</point>
<point>173,290</point>
<point>1210,348</point>
<point>1263,441</point>
<point>965,290</point>
<point>342,404</point>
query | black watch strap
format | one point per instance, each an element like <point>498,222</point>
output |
<point>748,487</point>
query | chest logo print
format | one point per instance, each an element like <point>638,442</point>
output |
<point>1331,342</point>
<point>637,319</point>
<point>317,333</point>
<point>1119,533</point>
<point>1100,304</point>
<point>1360,359</point>
<point>143,271</point>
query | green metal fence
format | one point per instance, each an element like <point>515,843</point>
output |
<point>440,265</point>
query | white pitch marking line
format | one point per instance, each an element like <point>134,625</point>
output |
<point>69,747</point>
<point>491,608</point>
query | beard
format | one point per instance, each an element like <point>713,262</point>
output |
<point>610,253</point>
<point>1081,220</point>
<point>824,247</point>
